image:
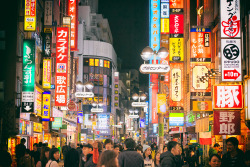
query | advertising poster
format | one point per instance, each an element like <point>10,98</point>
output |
<point>176,3</point>
<point>154,79</point>
<point>161,103</point>
<point>176,23</point>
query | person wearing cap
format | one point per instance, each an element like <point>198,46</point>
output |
<point>148,161</point>
<point>88,157</point>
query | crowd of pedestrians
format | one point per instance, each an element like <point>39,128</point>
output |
<point>128,154</point>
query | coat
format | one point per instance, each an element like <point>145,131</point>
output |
<point>228,161</point>
<point>130,158</point>
<point>167,159</point>
<point>52,164</point>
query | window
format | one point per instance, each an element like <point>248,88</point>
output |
<point>86,61</point>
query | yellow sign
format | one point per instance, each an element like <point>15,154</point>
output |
<point>91,62</point>
<point>202,106</point>
<point>37,127</point>
<point>46,106</point>
<point>176,49</point>
<point>161,103</point>
<point>46,73</point>
<point>30,15</point>
<point>47,30</point>
<point>97,62</point>
<point>164,26</point>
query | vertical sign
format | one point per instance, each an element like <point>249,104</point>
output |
<point>48,13</point>
<point>176,49</point>
<point>116,89</point>
<point>46,73</point>
<point>61,66</point>
<point>230,18</point>
<point>146,112</point>
<point>176,21</point>
<point>227,122</point>
<point>154,79</point>
<point>161,103</point>
<point>73,13</point>
<point>28,75</point>
<point>46,106</point>
<point>155,26</point>
<point>30,15</point>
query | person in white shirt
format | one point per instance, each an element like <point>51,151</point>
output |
<point>148,161</point>
<point>54,156</point>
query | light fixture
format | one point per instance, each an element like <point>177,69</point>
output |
<point>162,53</point>
<point>131,111</point>
<point>147,53</point>
<point>94,104</point>
<point>100,104</point>
<point>136,111</point>
<point>89,85</point>
<point>135,96</point>
<point>143,97</point>
<point>79,84</point>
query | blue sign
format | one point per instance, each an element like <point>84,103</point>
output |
<point>52,86</point>
<point>142,123</point>
<point>137,134</point>
<point>146,108</point>
<point>80,117</point>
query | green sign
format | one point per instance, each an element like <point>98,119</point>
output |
<point>57,123</point>
<point>29,53</point>
<point>161,130</point>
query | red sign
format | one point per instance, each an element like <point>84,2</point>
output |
<point>73,13</point>
<point>176,24</point>
<point>228,97</point>
<point>231,74</point>
<point>176,3</point>
<point>71,105</point>
<point>61,66</point>
<point>227,123</point>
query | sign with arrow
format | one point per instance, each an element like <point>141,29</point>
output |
<point>231,60</point>
<point>27,101</point>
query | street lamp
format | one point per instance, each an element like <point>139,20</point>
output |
<point>96,108</point>
<point>84,94</point>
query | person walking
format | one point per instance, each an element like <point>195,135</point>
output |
<point>44,157</point>
<point>168,159</point>
<point>108,144</point>
<point>234,157</point>
<point>129,157</point>
<point>157,159</point>
<point>53,158</point>
<point>35,153</point>
<point>20,151</point>
<point>27,160</point>
<point>108,159</point>
<point>5,157</point>
<point>148,161</point>
<point>117,149</point>
<point>215,160</point>
<point>72,158</point>
<point>87,158</point>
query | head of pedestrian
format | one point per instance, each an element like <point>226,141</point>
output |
<point>35,145</point>
<point>27,152</point>
<point>247,158</point>
<point>139,149</point>
<point>108,144</point>
<point>217,147</point>
<point>215,160</point>
<point>147,152</point>
<point>54,154</point>
<point>157,158</point>
<point>108,159</point>
<point>72,158</point>
<point>129,144</point>
<point>117,149</point>
<point>174,148</point>
<point>165,148</point>
<point>86,149</point>
<point>232,144</point>
<point>23,141</point>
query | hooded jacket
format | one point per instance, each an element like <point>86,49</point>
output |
<point>167,159</point>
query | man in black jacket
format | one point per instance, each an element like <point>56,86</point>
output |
<point>129,157</point>
<point>20,151</point>
<point>169,159</point>
<point>234,157</point>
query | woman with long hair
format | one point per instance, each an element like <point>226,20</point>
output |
<point>215,160</point>
<point>108,159</point>
<point>148,161</point>
<point>72,158</point>
<point>53,158</point>
<point>44,157</point>
<point>157,159</point>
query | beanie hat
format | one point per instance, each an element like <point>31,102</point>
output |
<point>145,147</point>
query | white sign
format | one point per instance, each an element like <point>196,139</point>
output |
<point>199,72</point>
<point>84,94</point>
<point>133,116</point>
<point>48,13</point>
<point>230,18</point>
<point>139,104</point>
<point>28,96</point>
<point>154,68</point>
<point>57,113</point>
<point>231,59</point>
<point>96,110</point>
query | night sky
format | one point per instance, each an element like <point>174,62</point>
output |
<point>129,23</point>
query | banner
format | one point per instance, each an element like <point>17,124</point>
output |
<point>227,123</point>
<point>30,15</point>
<point>154,79</point>
<point>46,73</point>
<point>73,13</point>
<point>176,119</point>
<point>61,66</point>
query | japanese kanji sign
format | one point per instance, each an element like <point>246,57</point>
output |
<point>61,66</point>
<point>230,18</point>
<point>116,89</point>
<point>46,73</point>
<point>176,23</point>
<point>176,49</point>
<point>227,97</point>
<point>155,27</point>
<point>28,76</point>
<point>48,13</point>
<point>46,106</point>
<point>73,13</point>
<point>176,3</point>
<point>227,123</point>
<point>164,26</point>
<point>30,15</point>
<point>231,59</point>
<point>200,44</point>
<point>164,10</point>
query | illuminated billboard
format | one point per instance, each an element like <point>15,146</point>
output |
<point>176,49</point>
<point>164,26</point>
<point>30,15</point>
<point>73,13</point>
<point>46,106</point>
<point>176,119</point>
<point>155,24</point>
<point>46,73</point>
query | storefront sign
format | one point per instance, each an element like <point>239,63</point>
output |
<point>161,103</point>
<point>247,99</point>
<point>84,94</point>
<point>30,15</point>
<point>57,113</point>
<point>153,95</point>
<point>230,18</point>
<point>202,106</point>
<point>96,110</point>
<point>154,68</point>
<point>146,113</point>
<point>47,44</point>
<point>48,13</point>
<point>176,23</point>
<point>164,10</point>
<point>164,26</point>
<point>227,123</point>
<point>71,105</point>
<point>61,66</point>
<point>73,13</point>
<point>139,104</point>
<point>228,97</point>
<point>155,24</point>
<point>37,127</point>
<point>176,119</point>
<point>176,49</point>
<point>176,3</point>
<point>46,73</point>
<point>46,106</point>
<point>116,89</point>
<point>231,59</point>
<point>57,123</point>
<point>38,101</point>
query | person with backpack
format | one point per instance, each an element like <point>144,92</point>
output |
<point>54,156</point>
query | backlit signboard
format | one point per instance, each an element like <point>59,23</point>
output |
<point>164,26</point>
<point>161,103</point>
<point>61,66</point>
<point>202,106</point>
<point>46,73</point>
<point>46,106</point>
<point>73,13</point>
<point>57,123</point>
<point>155,24</point>
<point>176,23</point>
<point>176,119</point>
<point>176,49</point>
<point>164,10</point>
<point>30,15</point>
<point>37,127</point>
<point>154,79</point>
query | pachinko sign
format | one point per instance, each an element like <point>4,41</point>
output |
<point>228,97</point>
<point>61,66</point>
<point>30,15</point>
<point>72,12</point>
<point>230,18</point>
